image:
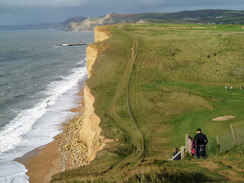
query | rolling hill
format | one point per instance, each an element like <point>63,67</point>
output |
<point>194,17</point>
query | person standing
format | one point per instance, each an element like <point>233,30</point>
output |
<point>200,143</point>
<point>189,144</point>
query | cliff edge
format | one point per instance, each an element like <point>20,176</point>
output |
<point>82,137</point>
<point>90,131</point>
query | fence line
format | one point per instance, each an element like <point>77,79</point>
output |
<point>234,136</point>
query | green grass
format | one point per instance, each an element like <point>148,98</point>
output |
<point>191,26</point>
<point>234,157</point>
<point>152,86</point>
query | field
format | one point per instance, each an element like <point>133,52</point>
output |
<point>154,83</point>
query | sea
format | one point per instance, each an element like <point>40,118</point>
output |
<point>39,82</point>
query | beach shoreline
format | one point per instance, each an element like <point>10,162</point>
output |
<point>42,162</point>
<point>47,160</point>
<point>80,140</point>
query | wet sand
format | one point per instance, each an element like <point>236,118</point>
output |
<point>42,162</point>
<point>45,161</point>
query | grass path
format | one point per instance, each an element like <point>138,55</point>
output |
<point>129,126</point>
<point>229,174</point>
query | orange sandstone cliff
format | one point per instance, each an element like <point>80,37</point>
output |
<point>82,134</point>
<point>90,131</point>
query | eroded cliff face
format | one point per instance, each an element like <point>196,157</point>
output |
<point>81,138</point>
<point>89,23</point>
<point>91,55</point>
<point>90,131</point>
<point>92,50</point>
<point>100,34</point>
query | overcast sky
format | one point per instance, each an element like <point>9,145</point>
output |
<point>16,12</point>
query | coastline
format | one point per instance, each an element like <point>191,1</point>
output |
<point>42,162</point>
<point>80,139</point>
<point>52,158</point>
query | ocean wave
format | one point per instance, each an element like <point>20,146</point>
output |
<point>13,133</point>
<point>81,63</point>
<point>12,172</point>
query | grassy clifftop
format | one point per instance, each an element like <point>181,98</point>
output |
<point>152,86</point>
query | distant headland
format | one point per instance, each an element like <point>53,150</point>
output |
<point>211,16</point>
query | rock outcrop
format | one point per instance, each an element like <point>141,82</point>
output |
<point>89,23</point>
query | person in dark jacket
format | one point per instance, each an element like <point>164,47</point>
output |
<point>200,141</point>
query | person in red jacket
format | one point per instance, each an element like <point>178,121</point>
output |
<point>201,141</point>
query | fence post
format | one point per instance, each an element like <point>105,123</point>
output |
<point>218,144</point>
<point>182,152</point>
<point>233,133</point>
<point>186,141</point>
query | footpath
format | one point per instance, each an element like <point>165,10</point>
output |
<point>229,173</point>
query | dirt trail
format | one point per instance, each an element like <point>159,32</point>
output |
<point>229,174</point>
<point>130,125</point>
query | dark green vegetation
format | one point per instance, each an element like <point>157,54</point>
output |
<point>207,17</point>
<point>152,86</point>
<point>198,16</point>
<point>210,16</point>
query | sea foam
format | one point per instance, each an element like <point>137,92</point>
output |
<point>12,172</point>
<point>12,134</point>
<point>38,125</point>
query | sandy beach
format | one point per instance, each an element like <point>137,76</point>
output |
<point>45,161</point>
<point>80,140</point>
<point>42,162</point>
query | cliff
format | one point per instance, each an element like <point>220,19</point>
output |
<point>89,23</point>
<point>82,137</point>
<point>73,19</point>
<point>90,131</point>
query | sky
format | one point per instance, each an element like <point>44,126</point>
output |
<point>19,12</point>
